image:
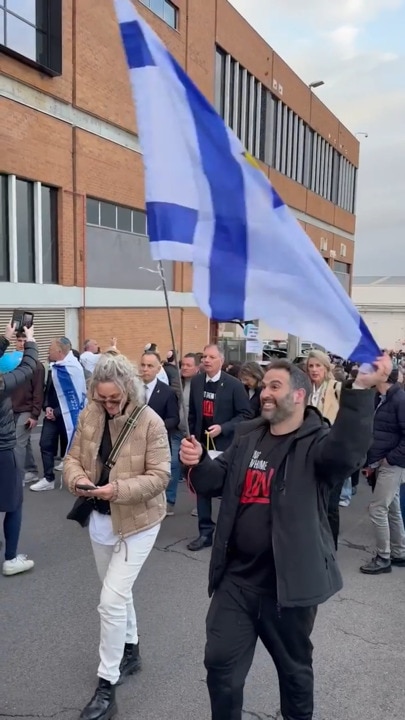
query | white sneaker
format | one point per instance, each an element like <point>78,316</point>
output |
<point>19,564</point>
<point>59,467</point>
<point>344,503</point>
<point>42,485</point>
<point>194,513</point>
<point>30,477</point>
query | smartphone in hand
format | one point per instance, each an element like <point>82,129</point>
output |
<point>87,488</point>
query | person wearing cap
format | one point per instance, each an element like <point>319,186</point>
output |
<point>65,393</point>
<point>386,458</point>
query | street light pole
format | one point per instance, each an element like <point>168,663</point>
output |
<point>293,347</point>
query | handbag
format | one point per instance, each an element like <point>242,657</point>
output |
<point>83,507</point>
<point>214,453</point>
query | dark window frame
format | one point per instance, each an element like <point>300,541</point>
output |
<point>53,209</point>
<point>53,66</point>
<point>5,276</point>
<point>117,206</point>
<point>31,225</point>
<point>162,17</point>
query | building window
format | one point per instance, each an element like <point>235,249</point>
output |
<point>25,232</point>
<point>271,131</point>
<point>342,272</point>
<point>165,10</point>
<point>116,217</point>
<point>4,253</point>
<point>49,222</point>
<point>220,82</point>
<point>28,231</point>
<point>32,31</point>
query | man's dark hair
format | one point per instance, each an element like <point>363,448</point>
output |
<point>299,380</point>
<point>155,354</point>
<point>194,356</point>
<point>20,335</point>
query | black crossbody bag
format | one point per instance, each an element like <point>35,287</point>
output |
<point>83,506</point>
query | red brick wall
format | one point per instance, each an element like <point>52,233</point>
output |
<point>136,327</point>
<point>36,146</point>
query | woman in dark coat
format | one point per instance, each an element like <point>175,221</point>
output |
<point>11,490</point>
<point>251,375</point>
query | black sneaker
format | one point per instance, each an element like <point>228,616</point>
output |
<point>130,663</point>
<point>398,561</point>
<point>376,566</point>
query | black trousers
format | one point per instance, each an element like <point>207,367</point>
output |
<point>235,620</point>
<point>53,432</point>
<point>333,512</point>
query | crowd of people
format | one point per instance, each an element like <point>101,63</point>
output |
<point>282,447</point>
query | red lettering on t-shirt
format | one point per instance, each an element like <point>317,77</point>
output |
<point>208,408</point>
<point>257,485</point>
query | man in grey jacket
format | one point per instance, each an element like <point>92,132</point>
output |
<point>273,560</point>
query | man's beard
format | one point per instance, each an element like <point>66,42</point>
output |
<point>282,410</point>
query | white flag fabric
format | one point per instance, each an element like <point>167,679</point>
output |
<point>70,386</point>
<point>209,203</point>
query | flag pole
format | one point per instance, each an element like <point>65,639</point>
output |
<point>173,340</point>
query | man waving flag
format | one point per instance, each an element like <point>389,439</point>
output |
<point>209,203</point>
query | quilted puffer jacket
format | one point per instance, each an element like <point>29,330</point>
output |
<point>141,472</point>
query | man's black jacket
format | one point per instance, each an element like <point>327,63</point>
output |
<point>316,458</point>
<point>389,429</point>
<point>8,383</point>
<point>231,407</point>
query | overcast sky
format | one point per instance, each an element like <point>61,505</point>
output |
<point>357,47</point>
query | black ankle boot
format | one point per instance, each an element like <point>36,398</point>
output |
<point>102,705</point>
<point>130,663</point>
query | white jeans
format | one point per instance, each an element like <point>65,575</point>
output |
<point>118,567</point>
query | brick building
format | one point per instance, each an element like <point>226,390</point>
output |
<point>73,242</point>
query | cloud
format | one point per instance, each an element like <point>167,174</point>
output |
<point>344,38</point>
<point>350,45</point>
<point>324,12</point>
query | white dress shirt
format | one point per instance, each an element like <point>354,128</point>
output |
<point>162,376</point>
<point>213,379</point>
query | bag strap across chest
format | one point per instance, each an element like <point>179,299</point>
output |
<point>130,425</point>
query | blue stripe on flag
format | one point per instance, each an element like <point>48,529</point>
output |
<point>228,262</point>
<point>170,222</point>
<point>365,351</point>
<point>277,201</point>
<point>136,49</point>
<point>74,404</point>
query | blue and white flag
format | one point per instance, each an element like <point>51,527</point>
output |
<point>70,386</point>
<point>210,204</point>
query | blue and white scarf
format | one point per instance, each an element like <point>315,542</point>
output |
<point>70,385</point>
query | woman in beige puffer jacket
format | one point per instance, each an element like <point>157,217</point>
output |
<point>125,510</point>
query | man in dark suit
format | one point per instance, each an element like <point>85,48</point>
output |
<point>159,396</point>
<point>218,402</point>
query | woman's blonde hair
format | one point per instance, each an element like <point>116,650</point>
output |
<point>120,371</point>
<point>322,358</point>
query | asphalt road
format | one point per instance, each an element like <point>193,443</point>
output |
<point>49,628</point>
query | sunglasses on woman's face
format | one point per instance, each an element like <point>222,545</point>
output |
<point>108,401</point>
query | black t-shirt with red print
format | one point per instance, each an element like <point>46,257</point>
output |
<point>210,390</point>
<point>251,560</point>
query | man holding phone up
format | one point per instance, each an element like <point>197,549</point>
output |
<point>27,401</point>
